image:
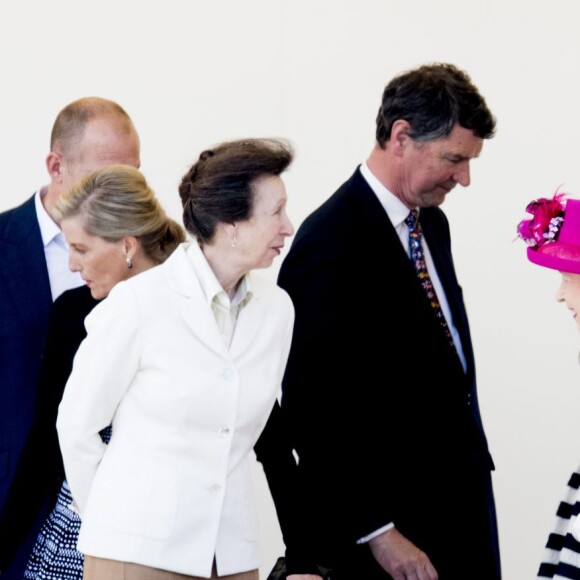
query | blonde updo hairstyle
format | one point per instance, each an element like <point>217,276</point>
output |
<point>115,202</point>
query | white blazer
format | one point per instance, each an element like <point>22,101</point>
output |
<point>173,487</point>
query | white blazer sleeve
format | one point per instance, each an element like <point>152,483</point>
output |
<point>104,367</point>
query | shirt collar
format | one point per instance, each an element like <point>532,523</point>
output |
<point>395,208</point>
<point>48,228</point>
<point>209,283</point>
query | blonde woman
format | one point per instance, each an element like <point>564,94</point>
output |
<point>115,229</point>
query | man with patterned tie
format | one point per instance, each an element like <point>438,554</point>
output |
<point>379,392</point>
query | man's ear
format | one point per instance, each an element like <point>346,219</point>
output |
<point>400,136</point>
<point>54,166</point>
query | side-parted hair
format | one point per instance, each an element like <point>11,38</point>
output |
<point>433,98</point>
<point>218,186</point>
<point>116,201</point>
<point>69,127</point>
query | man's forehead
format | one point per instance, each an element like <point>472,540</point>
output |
<point>461,143</point>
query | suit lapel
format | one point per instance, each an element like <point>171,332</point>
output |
<point>444,264</point>
<point>379,230</point>
<point>377,221</point>
<point>23,265</point>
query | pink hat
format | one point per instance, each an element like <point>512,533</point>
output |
<point>553,234</point>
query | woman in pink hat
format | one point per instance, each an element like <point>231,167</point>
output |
<point>553,239</point>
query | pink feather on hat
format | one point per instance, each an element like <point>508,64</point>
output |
<point>544,226</point>
<point>553,233</point>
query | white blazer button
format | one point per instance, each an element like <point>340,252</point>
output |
<point>229,375</point>
<point>215,489</point>
<point>223,431</point>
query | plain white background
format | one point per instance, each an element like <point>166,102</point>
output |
<point>192,73</point>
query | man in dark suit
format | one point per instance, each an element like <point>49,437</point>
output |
<point>379,392</point>
<point>87,134</point>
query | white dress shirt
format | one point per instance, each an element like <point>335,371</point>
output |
<point>55,251</point>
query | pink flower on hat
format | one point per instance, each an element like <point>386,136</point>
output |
<point>548,216</point>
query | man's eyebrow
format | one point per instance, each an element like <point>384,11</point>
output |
<point>459,156</point>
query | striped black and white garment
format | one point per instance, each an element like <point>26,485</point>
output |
<point>562,553</point>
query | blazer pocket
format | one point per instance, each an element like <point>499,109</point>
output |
<point>146,508</point>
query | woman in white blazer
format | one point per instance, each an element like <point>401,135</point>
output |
<point>185,361</point>
<point>115,229</point>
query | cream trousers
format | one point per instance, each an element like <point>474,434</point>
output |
<point>103,569</point>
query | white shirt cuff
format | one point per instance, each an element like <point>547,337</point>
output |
<point>375,533</point>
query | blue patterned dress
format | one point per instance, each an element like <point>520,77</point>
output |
<point>55,555</point>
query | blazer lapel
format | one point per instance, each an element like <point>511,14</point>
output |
<point>194,307</point>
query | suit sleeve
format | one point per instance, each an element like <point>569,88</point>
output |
<point>104,366</point>
<point>274,451</point>
<point>40,471</point>
<point>330,401</point>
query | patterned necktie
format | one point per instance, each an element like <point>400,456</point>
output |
<point>418,258</point>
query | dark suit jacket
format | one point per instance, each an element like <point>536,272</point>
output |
<point>383,417</point>
<point>25,302</point>
<point>40,471</point>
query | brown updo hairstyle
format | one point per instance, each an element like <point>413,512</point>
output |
<point>218,186</point>
<point>115,202</point>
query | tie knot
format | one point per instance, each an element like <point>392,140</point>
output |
<point>412,219</point>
